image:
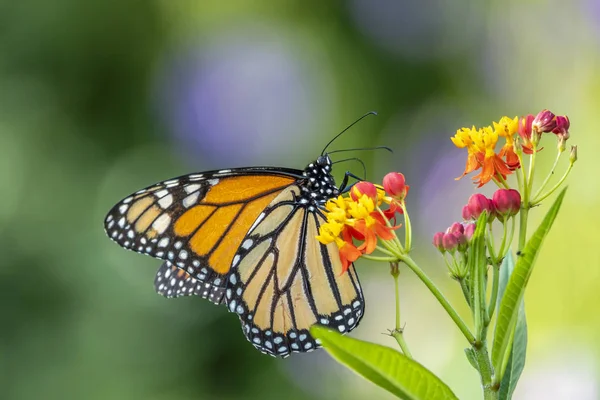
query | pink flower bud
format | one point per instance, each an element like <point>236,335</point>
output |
<point>395,185</point>
<point>478,203</point>
<point>449,242</point>
<point>469,230</point>
<point>437,241</point>
<point>462,241</point>
<point>456,227</point>
<point>562,127</point>
<point>545,121</point>
<point>507,202</point>
<point>363,188</point>
<point>466,213</point>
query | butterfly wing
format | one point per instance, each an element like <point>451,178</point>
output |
<point>172,282</point>
<point>198,221</point>
<point>283,280</point>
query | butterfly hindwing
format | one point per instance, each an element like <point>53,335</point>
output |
<point>172,282</point>
<point>283,280</point>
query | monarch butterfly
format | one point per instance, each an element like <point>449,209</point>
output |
<point>245,238</point>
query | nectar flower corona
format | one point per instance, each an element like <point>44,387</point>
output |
<point>358,218</point>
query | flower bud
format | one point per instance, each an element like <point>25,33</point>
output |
<point>395,185</point>
<point>456,227</point>
<point>466,213</point>
<point>524,129</point>
<point>507,202</point>
<point>437,241</point>
<point>573,155</point>
<point>364,188</point>
<point>469,230</point>
<point>562,127</point>
<point>545,121</point>
<point>478,203</point>
<point>449,242</point>
<point>462,241</point>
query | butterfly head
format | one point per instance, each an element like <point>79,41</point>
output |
<point>320,185</point>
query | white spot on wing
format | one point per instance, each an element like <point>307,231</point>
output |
<point>123,208</point>
<point>163,242</point>
<point>166,201</point>
<point>192,188</point>
<point>190,200</point>
<point>247,244</point>
<point>161,193</point>
<point>213,182</point>
<point>160,225</point>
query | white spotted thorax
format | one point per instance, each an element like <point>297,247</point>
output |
<point>320,185</point>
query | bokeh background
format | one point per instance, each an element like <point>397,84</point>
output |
<point>101,98</point>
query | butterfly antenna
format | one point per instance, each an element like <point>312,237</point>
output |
<point>364,149</point>
<point>355,159</point>
<point>348,127</point>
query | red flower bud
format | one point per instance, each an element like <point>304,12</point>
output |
<point>363,188</point>
<point>395,185</point>
<point>469,230</point>
<point>507,202</point>
<point>449,242</point>
<point>545,121</point>
<point>478,203</point>
<point>437,241</point>
<point>562,127</point>
<point>525,127</point>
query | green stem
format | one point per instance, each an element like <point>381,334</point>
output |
<point>407,229</point>
<point>531,169</point>
<point>396,275</point>
<point>384,251</point>
<point>504,237</point>
<point>395,240</point>
<point>490,242</point>
<point>397,334</point>
<point>465,290</point>
<point>440,297</point>
<point>376,258</point>
<point>560,182</point>
<point>550,175</point>
<point>494,296</point>
<point>486,371</point>
<point>523,226</point>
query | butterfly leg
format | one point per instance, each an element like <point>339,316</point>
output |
<point>344,187</point>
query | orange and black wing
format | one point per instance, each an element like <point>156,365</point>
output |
<point>196,222</point>
<point>283,280</point>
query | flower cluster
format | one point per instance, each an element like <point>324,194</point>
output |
<point>481,143</point>
<point>358,217</point>
<point>503,204</point>
<point>456,237</point>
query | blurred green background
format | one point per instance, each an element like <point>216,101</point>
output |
<point>101,98</point>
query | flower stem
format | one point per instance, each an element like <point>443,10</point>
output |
<point>376,258</point>
<point>465,289</point>
<point>486,371</point>
<point>440,297</point>
<point>397,334</point>
<point>560,182</point>
<point>550,175</point>
<point>494,295</point>
<point>407,229</point>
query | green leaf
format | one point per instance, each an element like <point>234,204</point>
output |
<point>511,300</point>
<point>477,267</point>
<point>472,358</point>
<point>516,361</point>
<point>383,366</point>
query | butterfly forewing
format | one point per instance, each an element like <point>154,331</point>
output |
<point>198,221</point>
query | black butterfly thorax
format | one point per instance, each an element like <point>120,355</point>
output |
<point>319,185</point>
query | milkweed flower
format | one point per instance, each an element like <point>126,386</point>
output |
<point>506,202</point>
<point>356,222</point>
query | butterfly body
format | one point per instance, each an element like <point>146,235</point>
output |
<point>245,238</point>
